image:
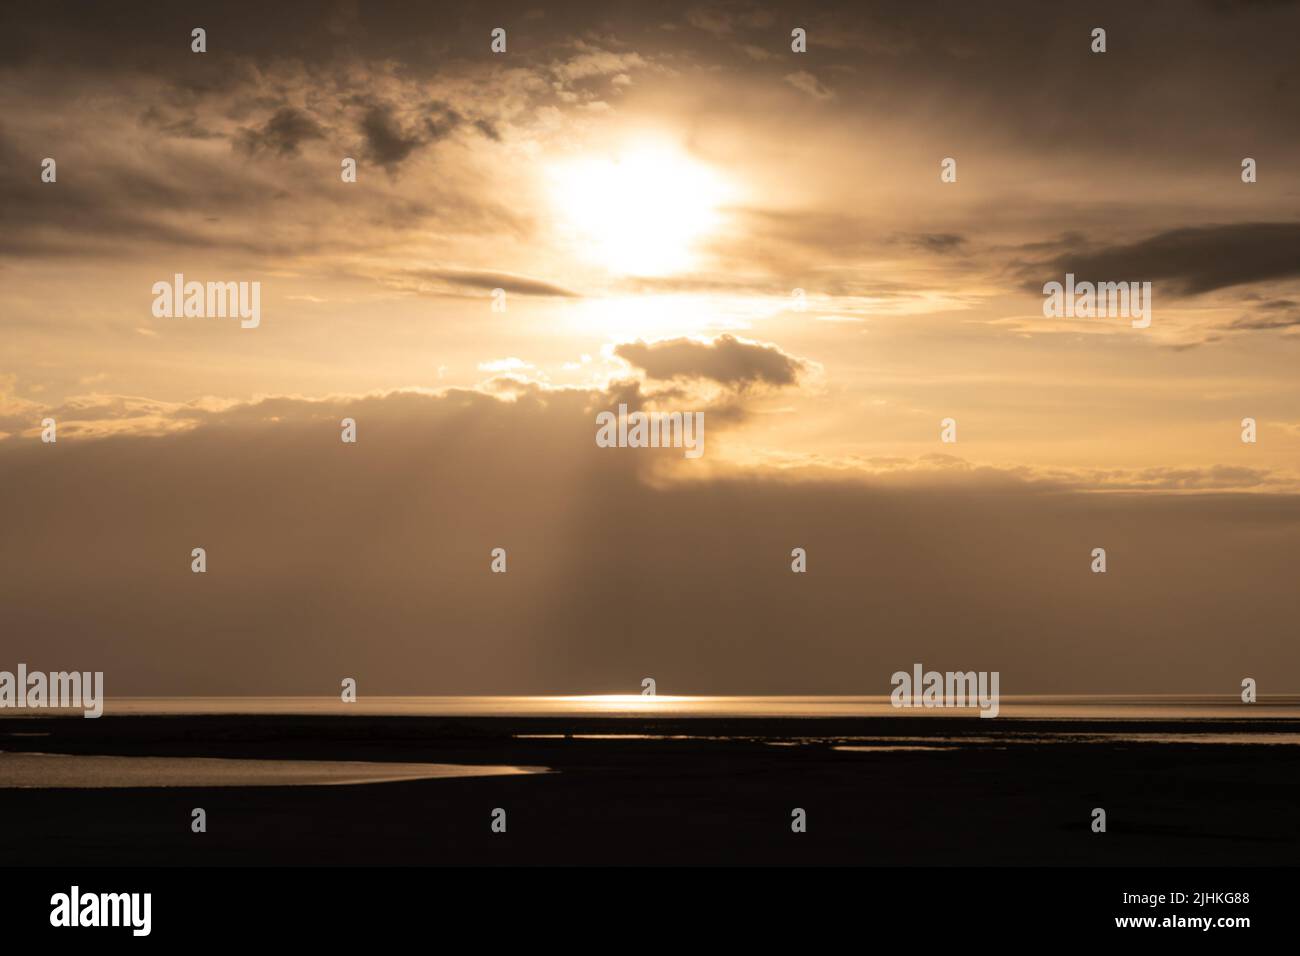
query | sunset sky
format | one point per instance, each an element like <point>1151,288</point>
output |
<point>649,184</point>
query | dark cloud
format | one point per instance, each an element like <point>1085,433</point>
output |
<point>390,140</point>
<point>466,279</point>
<point>1267,315</point>
<point>375,558</point>
<point>100,205</point>
<point>441,120</point>
<point>936,241</point>
<point>388,143</point>
<point>282,134</point>
<point>1266,322</point>
<point>1189,261</point>
<point>727,360</point>
<point>181,191</point>
<point>185,126</point>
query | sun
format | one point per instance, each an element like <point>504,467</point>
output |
<point>640,211</point>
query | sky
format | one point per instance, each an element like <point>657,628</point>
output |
<point>664,206</point>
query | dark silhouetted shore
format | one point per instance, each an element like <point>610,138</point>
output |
<point>695,790</point>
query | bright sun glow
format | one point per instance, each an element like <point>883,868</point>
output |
<point>640,212</point>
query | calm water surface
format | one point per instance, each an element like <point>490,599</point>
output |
<point>1059,707</point>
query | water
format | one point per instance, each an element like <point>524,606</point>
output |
<point>64,771</point>
<point>1040,707</point>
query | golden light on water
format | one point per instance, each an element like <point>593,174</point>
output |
<point>613,703</point>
